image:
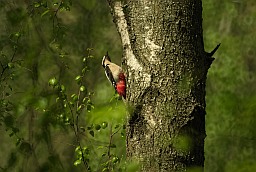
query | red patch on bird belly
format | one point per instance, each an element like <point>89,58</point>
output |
<point>120,88</point>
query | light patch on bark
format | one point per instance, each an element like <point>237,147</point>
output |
<point>153,49</point>
<point>152,45</point>
<point>149,43</point>
<point>132,62</point>
<point>149,117</point>
<point>146,7</point>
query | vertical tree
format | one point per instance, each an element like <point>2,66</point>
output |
<point>166,67</point>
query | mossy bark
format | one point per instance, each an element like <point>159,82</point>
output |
<point>166,74</point>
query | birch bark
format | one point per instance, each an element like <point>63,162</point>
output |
<point>166,68</point>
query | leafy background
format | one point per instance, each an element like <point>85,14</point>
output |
<point>53,40</point>
<point>231,96</point>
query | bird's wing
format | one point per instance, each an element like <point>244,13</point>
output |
<point>110,76</point>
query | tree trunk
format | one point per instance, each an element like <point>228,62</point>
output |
<point>166,68</point>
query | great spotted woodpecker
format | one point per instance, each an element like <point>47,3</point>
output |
<point>115,75</point>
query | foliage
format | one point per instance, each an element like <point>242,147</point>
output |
<point>230,120</point>
<point>47,118</point>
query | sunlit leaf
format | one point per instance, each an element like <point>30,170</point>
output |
<point>115,159</point>
<point>62,87</point>
<point>86,150</point>
<point>37,4</point>
<point>77,149</point>
<point>74,97</point>
<point>45,12</point>
<point>10,65</point>
<point>104,125</point>
<point>53,82</point>
<point>78,79</point>
<point>82,88</point>
<point>77,162</point>
<point>105,169</point>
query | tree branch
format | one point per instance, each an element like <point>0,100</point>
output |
<point>213,51</point>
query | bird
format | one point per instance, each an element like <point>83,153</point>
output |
<point>115,75</point>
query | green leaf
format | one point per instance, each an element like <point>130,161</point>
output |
<point>78,79</point>
<point>77,149</point>
<point>67,8</point>
<point>104,125</point>
<point>122,134</point>
<point>79,108</point>
<point>82,129</point>
<point>105,170</point>
<point>89,108</point>
<point>53,82</point>
<point>17,34</point>
<point>100,147</point>
<point>71,103</point>
<point>115,159</point>
<point>74,97</point>
<point>77,162</point>
<point>45,12</point>
<point>117,126</point>
<point>90,127</point>
<point>92,133</point>
<point>10,65</point>
<point>97,127</point>
<point>105,164</point>
<point>82,88</point>
<point>67,120</point>
<point>18,141</point>
<point>84,70</point>
<point>85,99</point>
<point>86,150</point>
<point>37,4</point>
<point>62,88</point>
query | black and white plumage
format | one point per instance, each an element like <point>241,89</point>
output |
<point>112,70</point>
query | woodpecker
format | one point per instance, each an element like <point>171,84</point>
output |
<point>115,75</point>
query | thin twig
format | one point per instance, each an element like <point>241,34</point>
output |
<point>12,58</point>
<point>110,143</point>
<point>75,129</point>
<point>56,17</point>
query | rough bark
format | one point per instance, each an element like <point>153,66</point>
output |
<point>166,68</point>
